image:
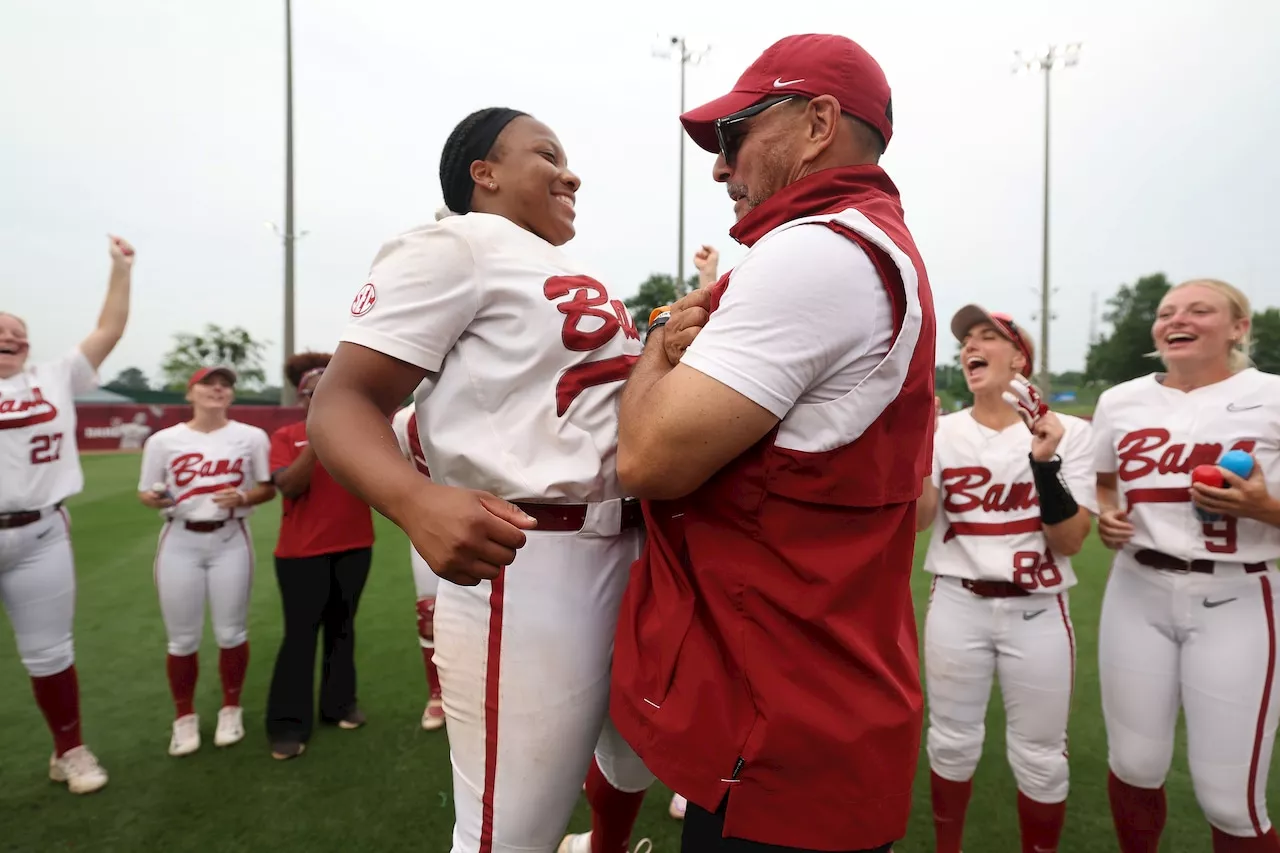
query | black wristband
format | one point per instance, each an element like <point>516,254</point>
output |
<point>1056,503</point>
<point>658,322</point>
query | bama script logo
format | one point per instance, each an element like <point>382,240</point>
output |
<point>15,413</point>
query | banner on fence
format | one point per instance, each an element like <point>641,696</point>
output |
<point>126,426</point>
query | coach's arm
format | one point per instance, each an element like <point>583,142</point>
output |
<point>677,426</point>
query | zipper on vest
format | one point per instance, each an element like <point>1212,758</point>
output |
<point>737,768</point>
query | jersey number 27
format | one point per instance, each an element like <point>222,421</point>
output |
<point>46,448</point>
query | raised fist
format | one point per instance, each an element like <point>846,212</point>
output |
<point>121,251</point>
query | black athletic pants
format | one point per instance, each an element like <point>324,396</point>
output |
<point>316,592</point>
<point>703,833</point>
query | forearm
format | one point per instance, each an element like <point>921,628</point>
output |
<point>115,309</point>
<point>635,417</point>
<point>927,505</point>
<point>1066,538</point>
<point>260,493</point>
<point>1269,513</point>
<point>296,478</point>
<point>111,320</point>
<point>354,441</point>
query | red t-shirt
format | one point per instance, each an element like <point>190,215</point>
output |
<point>324,519</point>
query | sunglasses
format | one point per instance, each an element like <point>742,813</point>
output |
<point>732,130</point>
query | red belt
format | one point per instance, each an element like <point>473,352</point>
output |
<point>1169,563</point>
<point>22,519</point>
<point>570,517</point>
<point>204,526</point>
<point>994,589</point>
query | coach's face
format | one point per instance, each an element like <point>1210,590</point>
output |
<point>533,184</point>
<point>13,345</point>
<point>759,155</point>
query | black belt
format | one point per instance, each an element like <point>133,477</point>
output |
<point>570,517</point>
<point>24,517</point>
<point>993,589</point>
<point>1167,562</point>
<point>204,526</point>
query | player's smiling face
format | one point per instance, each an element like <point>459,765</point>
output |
<point>1194,325</point>
<point>535,190</point>
<point>13,345</point>
<point>212,393</point>
<point>989,359</point>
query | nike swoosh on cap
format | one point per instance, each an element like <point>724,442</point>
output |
<point>779,83</point>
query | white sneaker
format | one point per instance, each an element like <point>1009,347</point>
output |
<point>80,769</point>
<point>677,807</point>
<point>433,716</point>
<point>581,843</point>
<point>186,735</point>
<point>230,726</point>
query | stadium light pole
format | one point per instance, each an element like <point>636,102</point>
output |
<point>288,396</point>
<point>679,47</point>
<point>1044,61</point>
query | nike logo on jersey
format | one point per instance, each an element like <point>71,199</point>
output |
<point>1031,614</point>
<point>1234,407</point>
<point>44,534</point>
<point>1208,603</point>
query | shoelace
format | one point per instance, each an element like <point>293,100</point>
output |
<point>80,761</point>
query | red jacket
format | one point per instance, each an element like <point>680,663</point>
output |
<point>766,645</point>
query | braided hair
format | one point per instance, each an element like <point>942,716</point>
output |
<point>473,139</point>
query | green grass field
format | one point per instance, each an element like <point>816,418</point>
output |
<point>385,787</point>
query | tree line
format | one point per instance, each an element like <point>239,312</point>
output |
<point>1122,354</point>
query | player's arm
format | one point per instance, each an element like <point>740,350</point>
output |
<point>291,469</point>
<point>115,309</point>
<point>152,475</point>
<point>1062,466</point>
<point>426,297</point>
<point>927,505</point>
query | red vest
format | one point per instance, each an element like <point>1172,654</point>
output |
<point>766,646</point>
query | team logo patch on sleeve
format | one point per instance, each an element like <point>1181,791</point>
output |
<point>364,301</point>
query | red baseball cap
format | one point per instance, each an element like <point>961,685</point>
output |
<point>205,372</point>
<point>971,315</point>
<point>808,65</point>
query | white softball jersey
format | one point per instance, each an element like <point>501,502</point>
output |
<point>987,525</point>
<point>194,465</point>
<point>39,456</point>
<point>526,355</point>
<point>1152,437</point>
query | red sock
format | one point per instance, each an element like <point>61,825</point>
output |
<point>950,802</point>
<point>433,675</point>
<point>58,696</point>
<point>1041,824</point>
<point>233,663</point>
<point>1138,814</point>
<point>1265,843</point>
<point>183,670</point>
<point>613,813</point>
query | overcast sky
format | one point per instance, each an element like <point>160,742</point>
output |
<point>163,122</point>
